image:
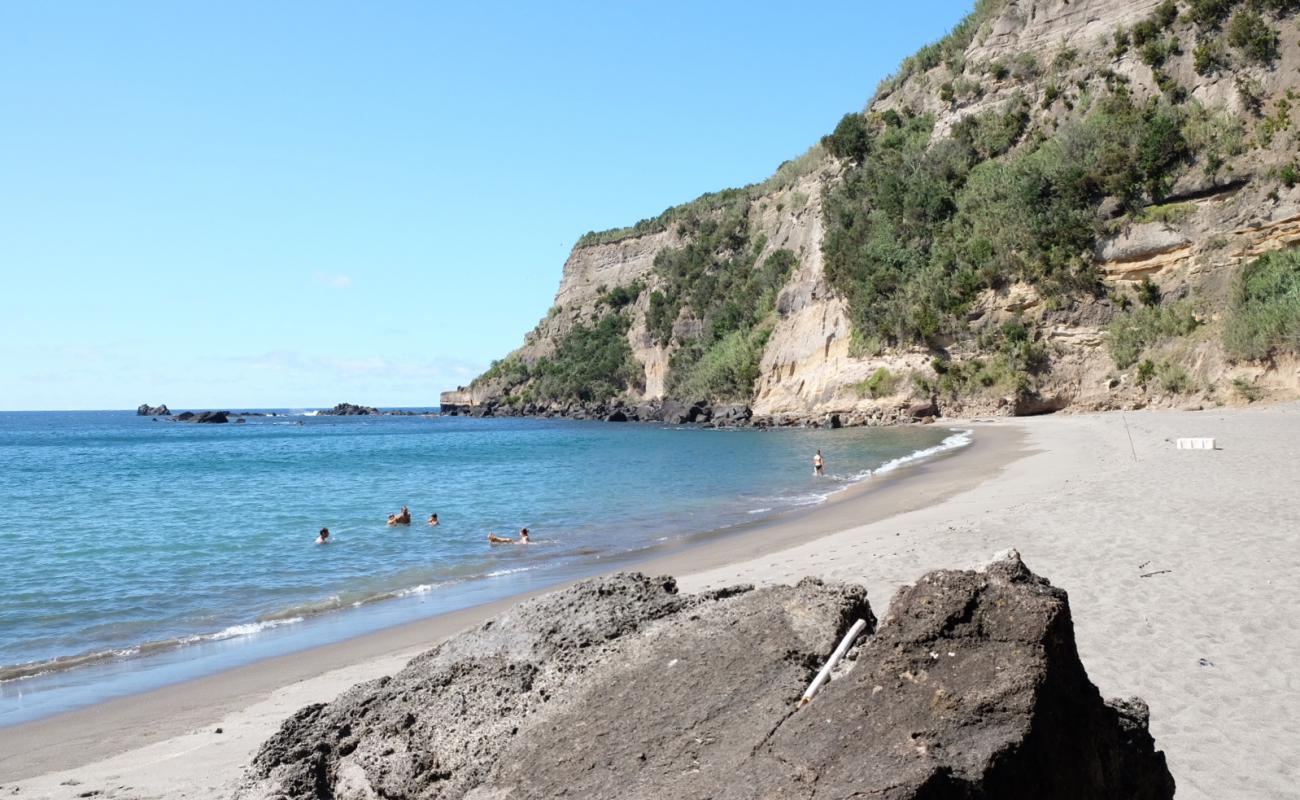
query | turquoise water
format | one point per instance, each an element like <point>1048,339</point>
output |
<point>135,547</point>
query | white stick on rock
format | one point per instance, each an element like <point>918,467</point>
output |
<point>845,644</point>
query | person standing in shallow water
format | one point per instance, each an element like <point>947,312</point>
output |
<point>324,536</point>
<point>819,464</point>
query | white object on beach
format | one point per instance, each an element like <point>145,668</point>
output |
<point>1196,443</point>
<point>825,673</point>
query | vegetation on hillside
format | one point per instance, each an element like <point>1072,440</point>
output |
<point>717,279</point>
<point>918,228</point>
<point>1264,316</point>
<point>1132,334</point>
<point>712,202</point>
<point>592,363</point>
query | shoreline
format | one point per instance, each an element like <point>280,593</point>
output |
<point>154,717</point>
<point>82,679</point>
<point>1182,568</point>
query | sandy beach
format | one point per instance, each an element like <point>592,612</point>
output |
<point>1182,567</point>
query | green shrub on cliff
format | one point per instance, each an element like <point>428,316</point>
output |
<point>1129,335</point>
<point>1210,13</point>
<point>509,371</point>
<point>591,363</point>
<point>880,383</point>
<point>621,296</point>
<point>718,279</point>
<point>726,370</point>
<point>950,50</point>
<point>1264,316</point>
<point>918,228</point>
<point>1256,39</point>
<point>850,140</point>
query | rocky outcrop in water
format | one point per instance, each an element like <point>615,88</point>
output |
<point>350,410</point>
<point>621,687</point>
<point>146,410</point>
<point>203,417</point>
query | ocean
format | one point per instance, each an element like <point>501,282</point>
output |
<point>140,552</point>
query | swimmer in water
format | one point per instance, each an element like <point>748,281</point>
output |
<point>324,537</point>
<point>404,518</point>
<point>433,519</point>
<point>819,465</point>
<point>523,538</point>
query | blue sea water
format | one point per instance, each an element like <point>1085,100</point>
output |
<point>136,547</point>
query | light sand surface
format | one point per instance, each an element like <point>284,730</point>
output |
<point>1209,639</point>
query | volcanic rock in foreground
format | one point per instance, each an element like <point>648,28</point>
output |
<point>621,687</point>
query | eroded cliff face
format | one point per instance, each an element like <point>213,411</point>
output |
<point>1214,221</point>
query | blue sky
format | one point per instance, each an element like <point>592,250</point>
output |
<point>296,204</point>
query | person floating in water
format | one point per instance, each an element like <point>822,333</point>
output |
<point>819,465</point>
<point>523,538</point>
<point>404,518</point>
<point>433,519</point>
<point>324,537</point>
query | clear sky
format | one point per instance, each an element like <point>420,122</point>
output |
<point>293,204</point>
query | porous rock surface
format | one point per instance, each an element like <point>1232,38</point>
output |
<point>621,687</point>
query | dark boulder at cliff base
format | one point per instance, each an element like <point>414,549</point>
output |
<point>922,410</point>
<point>620,687</point>
<point>146,410</point>
<point>350,410</point>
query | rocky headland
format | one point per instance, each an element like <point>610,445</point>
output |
<point>1062,205</point>
<point>624,687</point>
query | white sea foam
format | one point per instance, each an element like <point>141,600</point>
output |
<point>498,573</point>
<point>423,588</point>
<point>958,438</point>
<point>237,631</point>
<point>758,510</point>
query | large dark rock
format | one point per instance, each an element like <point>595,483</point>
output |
<point>929,408</point>
<point>674,412</point>
<point>734,413</point>
<point>350,410</point>
<point>699,412</point>
<point>972,688</point>
<point>203,417</point>
<point>621,688</point>
<point>147,410</point>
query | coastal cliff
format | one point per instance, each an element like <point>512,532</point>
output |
<point>1088,205</point>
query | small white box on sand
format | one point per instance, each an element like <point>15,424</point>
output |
<point>1196,443</point>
